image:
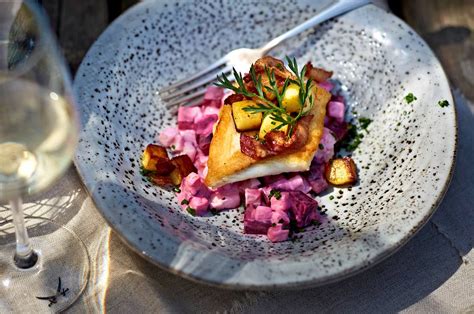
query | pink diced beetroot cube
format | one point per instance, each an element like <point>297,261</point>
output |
<point>339,129</point>
<point>280,217</point>
<point>248,184</point>
<point>177,144</point>
<point>186,117</point>
<point>213,93</point>
<point>204,124</point>
<point>328,86</point>
<point>213,97</point>
<point>277,233</point>
<point>194,185</point>
<point>295,183</point>
<point>263,214</point>
<point>167,136</point>
<point>316,177</point>
<point>266,194</point>
<point>336,110</point>
<point>326,147</point>
<point>199,204</point>
<point>200,161</point>
<point>281,204</point>
<point>225,197</point>
<point>303,209</point>
<point>189,149</point>
<point>253,226</point>
<point>209,111</point>
<point>189,136</point>
<point>271,179</point>
<point>204,142</point>
<point>183,195</point>
<point>253,197</point>
<point>319,185</point>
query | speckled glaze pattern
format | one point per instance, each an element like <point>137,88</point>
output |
<point>404,162</point>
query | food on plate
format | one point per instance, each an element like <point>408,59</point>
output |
<point>245,121</point>
<point>341,171</point>
<point>155,158</point>
<point>286,141</point>
<point>265,145</point>
<point>163,171</point>
<point>183,167</point>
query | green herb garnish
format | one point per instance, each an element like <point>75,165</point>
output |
<point>144,172</point>
<point>184,202</point>
<point>331,197</point>
<point>354,134</point>
<point>176,189</point>
<point>266,107</point>
<point>364,123</point>
<point>191,211</point>
<point>443,103</point>
<point>321,146</point>
<point>274,193</point>
<point>409,98</point>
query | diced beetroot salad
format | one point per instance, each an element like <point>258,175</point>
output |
<point>274,204</point>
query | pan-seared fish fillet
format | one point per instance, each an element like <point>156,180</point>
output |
<point>228,164</point>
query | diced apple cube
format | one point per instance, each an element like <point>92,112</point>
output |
<point>268,124</point>
<point>341,171</point>
<point>245,120</point>
<point>291,98</point>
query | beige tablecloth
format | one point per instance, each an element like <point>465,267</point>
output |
<point>434,272</point>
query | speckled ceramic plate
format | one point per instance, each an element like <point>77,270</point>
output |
<point>405,161</point>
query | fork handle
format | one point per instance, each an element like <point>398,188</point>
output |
<point>332,10</point>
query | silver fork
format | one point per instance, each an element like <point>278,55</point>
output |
<point>194,86</point>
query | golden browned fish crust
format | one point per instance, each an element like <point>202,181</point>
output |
<point>228,164</point>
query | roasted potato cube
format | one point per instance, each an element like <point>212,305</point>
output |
<point>291,98</point>
<point>183,167</point>
<point>341,171</point>
<point>245,120</point>
<point>155,158</point>
<point>268,124</point>
<point>161,180</point>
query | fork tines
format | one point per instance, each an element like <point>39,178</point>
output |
<point>190,90</point>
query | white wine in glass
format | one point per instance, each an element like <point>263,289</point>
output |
<point>38,134</point>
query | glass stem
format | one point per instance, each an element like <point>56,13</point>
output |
<point>24,257</point>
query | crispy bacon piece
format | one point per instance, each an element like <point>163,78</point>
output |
<point>276,142</point>
<point>155,158</point>
<point>317,74</point>
<point>341,171</point>
<point>233,98</point>
<point>253,147</point>
<point>184,166</point>
<point>273,64</point>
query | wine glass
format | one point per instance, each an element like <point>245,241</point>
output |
<point>38,133</point>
